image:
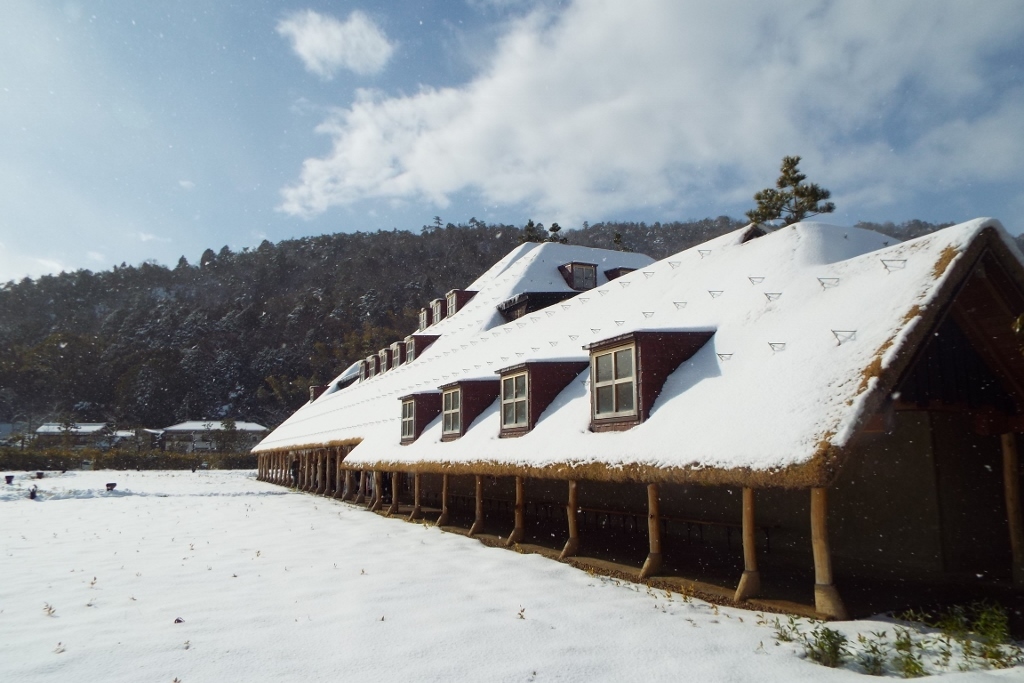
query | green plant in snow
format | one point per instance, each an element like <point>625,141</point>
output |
<point>826,646</point>
<point>906,661</point>
<point>873,652</point>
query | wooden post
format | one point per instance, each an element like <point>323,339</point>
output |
<point>416,511</point>
<point>573,544</point>
<point>826,598</point>
<point>378,491</point>
<point>478,522</point>
<point>653,562</point>
<point>1011,486</point>
<point>395,479</point>
<point>518,531</point>
<point>321,472</point>
<point>443,519</point>
<point>361,489</point>
<point>303,471</point>
<point>750,581</point>
<point>347,491</point>
<point>339,474</point>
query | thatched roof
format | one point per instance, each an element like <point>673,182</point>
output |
<point>814,325</point>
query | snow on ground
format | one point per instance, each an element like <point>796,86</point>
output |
<point>272,585</point>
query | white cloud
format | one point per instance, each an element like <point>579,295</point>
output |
<point>607,106</point>
<point>15,265</point>
<point>325,44</point>
<point>149,237</point>
<point>186,184</point>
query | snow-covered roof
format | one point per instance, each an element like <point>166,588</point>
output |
<point>213,425</point>
<point>805,318</point>
<point>80,428</point>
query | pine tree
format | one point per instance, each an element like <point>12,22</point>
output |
<point>532,232</point>
<point>553,235</point>
<point>790,200</point>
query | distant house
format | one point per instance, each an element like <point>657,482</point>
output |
<point>212,435</point>
<point>74,435</point>
<point>781,417</point>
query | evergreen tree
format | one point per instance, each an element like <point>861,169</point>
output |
<point>790,200</point>
<point>532,232</point>
<point>553,235</point>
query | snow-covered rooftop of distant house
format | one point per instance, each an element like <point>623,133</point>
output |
<point>80,428</point>
<point>213,425</point>
<point>799,314</point>
<point>124,433</point>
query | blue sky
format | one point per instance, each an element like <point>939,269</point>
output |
<point>133,131</point>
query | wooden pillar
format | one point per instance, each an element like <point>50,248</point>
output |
<point>329,470</point>
<point>321,472</point>
<point>339,474</point>
<point>395,480</point>
<point>518,531</point>
<point>478,522</point>
<point>310,474</point>
<point>653,562</point>
<point>361,489</point>
<point>750,581</point>
<point>303,471</point>
<point>378,486</point>
<point>443,519</point>
<point>1011,486</point>
<point>573,544</point>
<point>416,511</point>
<point>826,598</point>
<point>348,490</point>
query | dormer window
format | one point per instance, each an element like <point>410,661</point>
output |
<point>418,410</point>
<point>408,420</point>
<point>451,412</point>
<point>416,344</point>
<point>627,373</point>
<point>397,354</point>
<point>372,366</point>
<point>364,371</point>
<point>527,389</point>
<point>456,299</point>
<point>438,310</point>
<point>513,401</point>
<point>462,402</point>
<point>425,318</point>
<point>579,276</point>
<point>614,383</point>
<point>613,273</point>
<point>384,357</point>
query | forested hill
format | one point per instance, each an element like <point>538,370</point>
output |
<point>244,334</point>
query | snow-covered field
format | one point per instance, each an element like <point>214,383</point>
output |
<point>214,576</point>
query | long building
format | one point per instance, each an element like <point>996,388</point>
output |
<point>841,405</point>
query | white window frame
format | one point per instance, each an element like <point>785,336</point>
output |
<point>614,383</point>
<point>515,399</point>
<point>408,420</point>
<point>451,412</point>
<point>453,304</point>
<point>383,355</point>
<point>371,366</point>
<point>436,309</point>
<point>410,351</point>
<point>423,319</point>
